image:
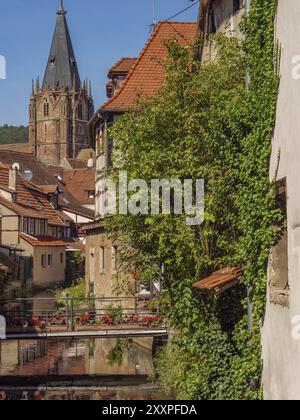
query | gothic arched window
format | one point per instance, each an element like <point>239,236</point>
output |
<point>46,109</point>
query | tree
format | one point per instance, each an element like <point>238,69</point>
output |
<point>204,124</point>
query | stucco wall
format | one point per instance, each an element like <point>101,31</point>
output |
<point>9,226</point>
<point>108,283</point>
<point>281,352</point>
<point>50,275</point>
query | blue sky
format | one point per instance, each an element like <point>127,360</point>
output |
<point>102,31</point>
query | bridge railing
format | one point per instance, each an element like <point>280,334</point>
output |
<point>70,312</point>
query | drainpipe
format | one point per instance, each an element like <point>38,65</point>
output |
<point>247,82</point>
<point>247,7</point>
<point>249,309</point>
<point>106,145</point>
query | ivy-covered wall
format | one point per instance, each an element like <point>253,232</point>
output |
<point>207,125</point>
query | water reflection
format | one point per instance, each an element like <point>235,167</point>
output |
<point>77,369</point>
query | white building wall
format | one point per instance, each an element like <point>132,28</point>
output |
<point>281,352</point>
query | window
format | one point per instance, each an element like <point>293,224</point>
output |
<point>43,227</point>
<point>100,141</point>
<point>43,260</point>
<point>212,29</point>
<point>46,109</point>
<point>61,258</point>
<point>278,263</point>
<point>102,259</point>
<point>31,226</point>
<point>114,261</point>
<point>91,194</point>
<point>54,232</point>
<point>25,225</point>
<point>58,129</point>
<point>50,260</point>
<point>236,6</point>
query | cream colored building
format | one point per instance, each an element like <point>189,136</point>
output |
<point>30,222</point>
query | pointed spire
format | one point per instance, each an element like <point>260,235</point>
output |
<point>61,10</point>
<point>32,88</point>
<point>62,61</point>
<point>90,89</point>
<point>38,85</point>
<point>74,84</point>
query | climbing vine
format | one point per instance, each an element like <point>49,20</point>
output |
<point>206,125</point>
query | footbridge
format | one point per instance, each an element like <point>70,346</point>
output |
<point>73,317</point>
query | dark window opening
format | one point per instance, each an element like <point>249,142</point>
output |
<point>212,29</point>
<point>236,6</point>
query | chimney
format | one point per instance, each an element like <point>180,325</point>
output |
<point>13,177</point>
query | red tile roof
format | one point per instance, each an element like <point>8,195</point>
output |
<point>79,182</point>
<point>124,65</point>
<point>147,75</point>
<point>220,281</point>
<point>48,189</point>
<point>42,241</point>
<point>16,147</point>
<point>30,202</point>
<point>44,177</point>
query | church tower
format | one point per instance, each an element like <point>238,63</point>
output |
<point>60,109</point>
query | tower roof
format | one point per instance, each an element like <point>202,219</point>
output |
<point>62,67</point>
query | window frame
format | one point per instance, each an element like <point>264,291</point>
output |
<point>50,262</point>
<point>43,261</point>
<point>114,258</point>
<point>102,254</point>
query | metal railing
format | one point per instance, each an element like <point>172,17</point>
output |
<point>70,312</point>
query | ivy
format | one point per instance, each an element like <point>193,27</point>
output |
<point>206,125</point>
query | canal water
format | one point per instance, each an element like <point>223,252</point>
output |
<point>81,369</point>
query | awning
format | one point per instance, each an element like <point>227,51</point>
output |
<point>220,281</point>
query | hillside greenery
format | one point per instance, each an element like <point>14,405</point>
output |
<point>11,134</point>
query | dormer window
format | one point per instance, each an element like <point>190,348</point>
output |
<point>52,62</point>
<point>91,195</point>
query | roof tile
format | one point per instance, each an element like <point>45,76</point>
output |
<point>147,75</point>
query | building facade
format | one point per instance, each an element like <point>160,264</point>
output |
<point>60,108</point>
<point>31,222</point>
<point>128,78</point>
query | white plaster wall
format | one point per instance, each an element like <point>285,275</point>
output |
<point>77,218</point>
<point>281,352</point>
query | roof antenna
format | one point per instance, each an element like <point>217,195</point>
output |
<point>154,22</point>
<point>154,11</point>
